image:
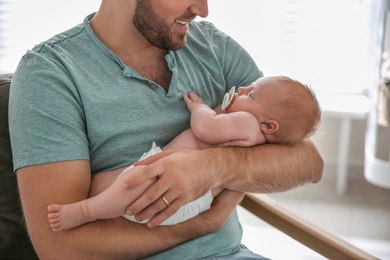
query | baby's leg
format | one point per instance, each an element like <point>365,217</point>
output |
<point>110,203</point>
<point>103,180</point>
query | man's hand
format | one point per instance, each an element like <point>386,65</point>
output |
<point>181,179</point>
<point>185,175</point>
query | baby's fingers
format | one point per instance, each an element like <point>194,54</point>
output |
<point>195,98</point>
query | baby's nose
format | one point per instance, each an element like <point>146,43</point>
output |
<point>240,90</point>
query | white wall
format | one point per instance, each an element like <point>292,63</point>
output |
<point>327,140</point>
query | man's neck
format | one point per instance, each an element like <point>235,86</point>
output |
<point>123,39</point>
<point>120,35</point>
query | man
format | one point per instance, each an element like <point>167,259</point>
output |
<point>93,99</point>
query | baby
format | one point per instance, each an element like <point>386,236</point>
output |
<point>271,110</point>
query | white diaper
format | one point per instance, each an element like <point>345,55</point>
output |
<point>154,150</point>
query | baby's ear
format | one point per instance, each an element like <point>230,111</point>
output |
<point>269,127</point>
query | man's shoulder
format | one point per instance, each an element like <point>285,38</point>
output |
<point>60,38</point>
<point>69,50</point>
<point>204,37</point>
<point>202,25</point>
<point>207,29</point>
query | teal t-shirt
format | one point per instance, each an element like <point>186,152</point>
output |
<point>72,98</point>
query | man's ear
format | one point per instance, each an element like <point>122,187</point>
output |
<point>269,127</point>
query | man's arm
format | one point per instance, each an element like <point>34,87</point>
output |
<point>264,169</point>
<point>67,182</point>
<point>272,167</point>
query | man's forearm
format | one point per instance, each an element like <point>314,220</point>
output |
<point>122,239</point>
<point>110,240</point>
<point>128,240</point>
<point>66,182</point>
<point>268,168</point>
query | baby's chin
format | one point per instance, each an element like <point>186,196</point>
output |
<point>230,108</point>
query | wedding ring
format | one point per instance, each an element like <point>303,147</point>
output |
<point>165,200</point>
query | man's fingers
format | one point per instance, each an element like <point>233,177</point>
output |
<point>225,202</point>
<point>164,214</point>
<point>156,198</point>
<point>160,210</point>
<point>153,158</point>
<point>140,174</point>
<point>154,208</point>
<point>172,190</point>
<point>148,200</point>
<point>160,203</point>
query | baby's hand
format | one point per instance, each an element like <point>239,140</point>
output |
<point>192,100</point>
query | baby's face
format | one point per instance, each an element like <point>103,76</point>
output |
<point>255,98</point>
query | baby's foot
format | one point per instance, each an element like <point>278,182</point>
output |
<point>63,217</point>
<point>54,217</point>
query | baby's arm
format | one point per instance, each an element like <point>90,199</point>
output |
<point>233,129</point>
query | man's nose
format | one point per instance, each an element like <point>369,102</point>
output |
<point>200,8</point>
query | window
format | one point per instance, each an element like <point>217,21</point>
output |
<point>24,23</point>
<point>320,42</point>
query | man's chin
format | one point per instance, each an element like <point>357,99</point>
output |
<point>178,42</point>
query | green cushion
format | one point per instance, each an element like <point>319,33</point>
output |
<point>14,241</point>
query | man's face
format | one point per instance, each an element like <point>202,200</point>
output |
<point>164,23</point>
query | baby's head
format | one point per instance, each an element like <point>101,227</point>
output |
<point>287,110</point>
<point>296,109</point>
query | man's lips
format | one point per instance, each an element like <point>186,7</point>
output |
<point>183,23</point>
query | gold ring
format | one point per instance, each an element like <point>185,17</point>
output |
<point>165,200</point>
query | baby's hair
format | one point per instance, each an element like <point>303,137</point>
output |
<point>299,114</point>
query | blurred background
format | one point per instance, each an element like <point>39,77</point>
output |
<point>336,47</point>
